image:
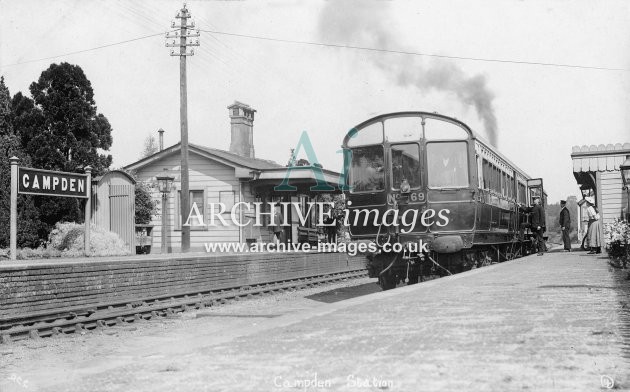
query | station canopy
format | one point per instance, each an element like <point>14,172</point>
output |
<point>588,160</point>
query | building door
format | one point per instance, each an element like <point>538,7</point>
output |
<point>122,213</point>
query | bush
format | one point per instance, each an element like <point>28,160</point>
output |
<point>145,205</point>
<point>617,237</point>
<point>67,238</point>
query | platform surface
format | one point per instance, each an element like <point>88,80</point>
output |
<point>555,322</point>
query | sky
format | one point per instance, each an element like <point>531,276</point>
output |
<point>535,112</point>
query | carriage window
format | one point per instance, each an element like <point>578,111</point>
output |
<point>405,164</point>
<point>443,130</point>
<point>402,129</point>
<point>366,173</point>
<point>480,174</point>
<point>372,134</point>
<point>447,164</point>
<point>521,193</point>
<point>486,174</point>
<point>497,179</point>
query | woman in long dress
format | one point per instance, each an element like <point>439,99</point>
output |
<point>594,228</point>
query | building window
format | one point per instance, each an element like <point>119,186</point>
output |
<point>196,198</point>
<point>227,199</point>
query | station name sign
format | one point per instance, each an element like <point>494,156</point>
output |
<point>52,183</point>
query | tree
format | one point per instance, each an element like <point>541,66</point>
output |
<point>145,205</point>
<point>150,147</point>
<point>60,129</point>
<point>28,225</point>
<point>552,216</point>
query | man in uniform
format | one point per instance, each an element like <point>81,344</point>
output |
<point>565,225</point>
<point>538,225</point>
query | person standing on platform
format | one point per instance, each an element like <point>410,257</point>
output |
<point>276,227</point>
<point>538,225</point>
<point>594,229</point>
<point>565,225</point>
<point>331,228</point>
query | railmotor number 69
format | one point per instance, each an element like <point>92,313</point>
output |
<point>413,197</point>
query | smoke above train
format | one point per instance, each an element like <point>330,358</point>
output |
<point>370,25</point>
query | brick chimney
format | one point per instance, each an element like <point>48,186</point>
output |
<point>242,124</point>
<point>161,132</point>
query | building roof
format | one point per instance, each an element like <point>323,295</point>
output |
<point>222,156</point>
<point>599,158</point>
<point>252,163</point>
<point>112,172</point>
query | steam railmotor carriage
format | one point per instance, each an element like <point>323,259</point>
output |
<point>468,197</point>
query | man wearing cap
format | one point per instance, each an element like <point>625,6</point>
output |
<point>565,225</point>
<point>538,224</point>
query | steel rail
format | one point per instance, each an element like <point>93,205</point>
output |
<point>94,317</point>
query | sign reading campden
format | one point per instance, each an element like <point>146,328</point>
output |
<point>46,182</point>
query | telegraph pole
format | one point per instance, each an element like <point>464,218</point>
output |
<point>182,35</point>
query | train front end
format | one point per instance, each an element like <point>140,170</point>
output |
<point>409,193</point>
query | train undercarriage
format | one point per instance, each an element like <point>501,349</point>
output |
<point>393,269</point>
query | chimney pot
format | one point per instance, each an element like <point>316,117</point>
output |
<point>161,132</point>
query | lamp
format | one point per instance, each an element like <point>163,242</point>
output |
<point>165,183</point>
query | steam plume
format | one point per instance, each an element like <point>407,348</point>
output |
<point>368,24</point>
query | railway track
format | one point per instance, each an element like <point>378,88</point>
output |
<point>79,319</point>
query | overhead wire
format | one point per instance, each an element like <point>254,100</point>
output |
<point>151,19</point>
<point>83,50</point>
<point>238,56</point>
<point>346,46</point>
<point>145,19</point>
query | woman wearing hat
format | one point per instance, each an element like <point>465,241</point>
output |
<point>594,229</point>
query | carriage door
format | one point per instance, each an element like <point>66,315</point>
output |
<point>535,186</point>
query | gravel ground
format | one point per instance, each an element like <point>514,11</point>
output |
<point>42,363</point>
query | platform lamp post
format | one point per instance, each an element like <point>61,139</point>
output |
<point>625,177</point>
<point>165,183</point>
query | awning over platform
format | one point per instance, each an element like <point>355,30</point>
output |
<point>301,177</point>
<point>589,160</point>
<point>599,158</point>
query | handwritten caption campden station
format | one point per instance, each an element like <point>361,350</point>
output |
<point>314,382</point>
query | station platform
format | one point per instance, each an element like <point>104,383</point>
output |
<point>551,323</point>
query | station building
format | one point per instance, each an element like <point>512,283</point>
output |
<point>228,177</point>
<point>596,170</point>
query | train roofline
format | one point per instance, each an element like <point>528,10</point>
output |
<point>500,154</point>
<point>473,135</point>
